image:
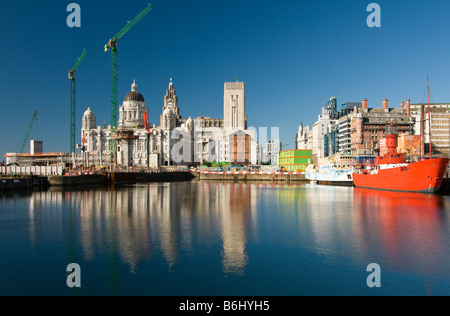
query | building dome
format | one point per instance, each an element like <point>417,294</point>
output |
<point>134,95</point>
<point>89,112</point>
<point>89,120</point>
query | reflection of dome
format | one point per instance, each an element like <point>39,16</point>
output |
<point>134,95</point>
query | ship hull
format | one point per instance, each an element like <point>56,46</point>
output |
<point>424,176</point>
<point>342,178</point>
<point>336,183</point>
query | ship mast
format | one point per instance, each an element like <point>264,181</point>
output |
<point>429,117</point>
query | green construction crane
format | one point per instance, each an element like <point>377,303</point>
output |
<point>27,135</point>
<point>114,66</point>
<point>73,102</point>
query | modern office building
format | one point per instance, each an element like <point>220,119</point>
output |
<point>320,129</point>
<point>331,139</point>
<point>440,127</point>
<point>345,138</point>
<point>273,148</point>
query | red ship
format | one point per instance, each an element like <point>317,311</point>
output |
<point>392,172</point>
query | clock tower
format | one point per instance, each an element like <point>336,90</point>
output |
<point>171,103</point>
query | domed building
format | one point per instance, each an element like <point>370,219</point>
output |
<point>133,144</point>
<point>89,119</point>
<point>131,113</point>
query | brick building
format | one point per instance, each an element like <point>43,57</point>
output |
<point>368,126</point>
<point>239,148</point>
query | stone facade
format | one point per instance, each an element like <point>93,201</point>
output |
<point>135,146</point>
<point>176,141</point>
<point>303,139</point>
<point>235,117</point>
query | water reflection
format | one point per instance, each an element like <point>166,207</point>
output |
<point>179,221</point>
<point>135,221</point>
<point>411,229</point>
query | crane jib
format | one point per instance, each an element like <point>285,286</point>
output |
<point>132,23</point>
<point>27,134</point>
<point>79,61</point>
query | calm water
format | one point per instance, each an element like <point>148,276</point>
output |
<point>224,239</point>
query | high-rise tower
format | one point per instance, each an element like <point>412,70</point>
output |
<point>234,106</point>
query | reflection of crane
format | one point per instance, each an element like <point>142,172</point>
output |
<point>114,67</point>
<point>27,135</point>
<point>72,102</point>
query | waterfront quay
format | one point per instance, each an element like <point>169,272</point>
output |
<point>250,176</point>
<point>28,182</point>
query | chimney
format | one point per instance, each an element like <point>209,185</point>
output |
<point>402,105</point>
<point>364,105</point>
<point>408,107</point>
<point>386,104</point>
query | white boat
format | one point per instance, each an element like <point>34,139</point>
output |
<point>330,174</point>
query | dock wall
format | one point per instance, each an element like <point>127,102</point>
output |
<point>251,176</point>
<point>22,183</point>
<point>31,170</point>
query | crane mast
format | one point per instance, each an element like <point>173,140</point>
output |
<point>73,101</point>
<point>112,45</point>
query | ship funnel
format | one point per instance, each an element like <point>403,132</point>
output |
<point>391,137</point>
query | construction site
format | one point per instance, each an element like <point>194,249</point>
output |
<point>37,162</point>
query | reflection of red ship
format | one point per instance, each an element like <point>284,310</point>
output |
<point>392,202</point>
<point>407,227</point>
<point>391,171</point>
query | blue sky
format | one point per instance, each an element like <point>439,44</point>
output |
<point>293,55</point>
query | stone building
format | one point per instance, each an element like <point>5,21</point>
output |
<point>134,145</point>
<point>235,117</point>
<point>176,141</point>
<point>303,138</point>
